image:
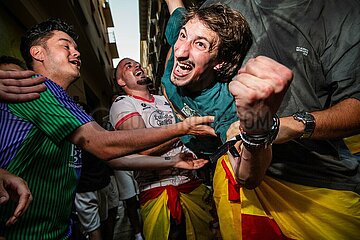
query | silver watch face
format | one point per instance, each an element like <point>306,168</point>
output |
<point>300,115</point>
<point>308,120</point>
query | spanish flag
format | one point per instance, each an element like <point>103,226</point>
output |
<point>188,199</point>
<point>282,210</point>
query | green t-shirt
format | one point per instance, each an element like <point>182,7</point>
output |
<point>215,100</point>
<point>34,147</point>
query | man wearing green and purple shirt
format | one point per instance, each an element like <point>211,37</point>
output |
<point>41,139</point>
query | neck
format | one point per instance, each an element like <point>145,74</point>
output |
<point>142,93</point>
<point>204,82</point>
<point>59,80</point>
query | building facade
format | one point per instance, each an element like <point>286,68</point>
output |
<point>90,19</point>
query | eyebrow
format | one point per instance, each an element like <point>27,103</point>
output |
<point>127,63</point>
<point>198,37</point>
<point>130,63</point>
<point>67,40</point>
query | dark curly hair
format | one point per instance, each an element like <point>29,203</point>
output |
<point>40,33</point>
<point>11,60</point>
<point>234,33</point>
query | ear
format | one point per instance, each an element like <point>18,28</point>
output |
<point>37,52</point>
<point>121,82</point>
<point>218,66</point>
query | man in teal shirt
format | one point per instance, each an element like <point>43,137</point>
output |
<point>208,47</point>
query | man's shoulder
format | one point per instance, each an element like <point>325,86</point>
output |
<point>123,103</point>
<point>160,97</point>
<point>122,98</point>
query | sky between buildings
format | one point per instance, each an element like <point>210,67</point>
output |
<point>125,15</point>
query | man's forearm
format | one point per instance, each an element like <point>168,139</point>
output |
<point>141,139</point>
<point>173,5</point>
<point>251,168</point>
<point>111,144</point>
<point>141,162</point>
<point>339,121</point>
<point>160,149</point>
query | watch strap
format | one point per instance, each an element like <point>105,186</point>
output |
<point>308,120</point>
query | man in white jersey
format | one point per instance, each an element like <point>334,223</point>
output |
<point>141,109</point>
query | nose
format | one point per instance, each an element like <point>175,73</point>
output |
<point>76,53</point>
<point>181,49</point>
<point>138,66</point>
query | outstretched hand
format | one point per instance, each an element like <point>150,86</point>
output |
<point>188,161</point>
<point>259,89</point>
<point>199,126</point>
<point>16,189</point>
<point>19,86</point>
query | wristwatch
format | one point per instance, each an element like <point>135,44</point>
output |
<point>308,120</point>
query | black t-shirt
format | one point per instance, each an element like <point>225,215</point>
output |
<point>319,41</point>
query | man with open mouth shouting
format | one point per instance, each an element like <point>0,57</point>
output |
<point>208,47</point>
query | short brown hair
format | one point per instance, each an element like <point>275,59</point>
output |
<point>234,33</point>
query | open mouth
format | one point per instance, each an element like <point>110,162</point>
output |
<point>76,62</point>
<point>182,69</point>
<point>138,73</point>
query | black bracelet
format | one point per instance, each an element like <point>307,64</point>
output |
<point>261,140</point>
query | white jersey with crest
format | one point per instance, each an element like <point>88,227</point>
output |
<point>155,113</point>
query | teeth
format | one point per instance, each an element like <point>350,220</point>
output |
<point>138,73</point>
<point>182,69</point>
<point>75,62</point>
<point>184,66</point>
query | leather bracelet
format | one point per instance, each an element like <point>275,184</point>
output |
<point>261,140</point>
